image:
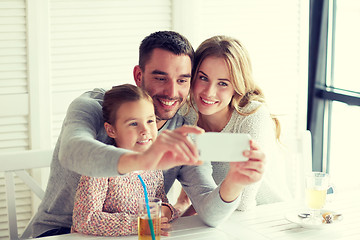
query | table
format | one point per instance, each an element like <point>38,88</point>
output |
<point>263,222</point>
<point>270,222</point>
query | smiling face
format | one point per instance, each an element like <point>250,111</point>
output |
<point>166,77</point>
<point>212,88</point>
<point>135,126</point>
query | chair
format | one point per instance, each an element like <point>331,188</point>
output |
<point>298,162</point>
<point>16,163</point>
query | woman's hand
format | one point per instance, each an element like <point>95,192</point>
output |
<point>242,174</point>
<point>250,171</point>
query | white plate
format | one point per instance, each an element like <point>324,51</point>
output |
<point>293,217</point>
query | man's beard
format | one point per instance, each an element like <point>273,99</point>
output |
<point>155,99</point>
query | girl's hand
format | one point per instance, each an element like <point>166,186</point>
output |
<point>165,226</point>
<point>165,216</point>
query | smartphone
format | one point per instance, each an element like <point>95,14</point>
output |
<point>222,147</point>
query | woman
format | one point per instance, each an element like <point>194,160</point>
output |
<point>225,98</point>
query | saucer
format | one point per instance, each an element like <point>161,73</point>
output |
<point>294,217</point>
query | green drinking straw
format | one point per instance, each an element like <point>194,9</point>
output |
<point>147,208</point>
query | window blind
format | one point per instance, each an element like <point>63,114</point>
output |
<point>14,131</point>
<point>91,44</point>
<point>95,44</point>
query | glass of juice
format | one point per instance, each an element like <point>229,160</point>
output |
<point>146,225</point>
<point>317,184</point>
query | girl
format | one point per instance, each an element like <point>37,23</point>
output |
<point>226,99</point>
<point>109,206</point>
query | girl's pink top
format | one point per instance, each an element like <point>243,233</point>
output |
<point>109,206</point>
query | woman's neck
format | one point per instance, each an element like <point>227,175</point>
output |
<point>215,122</point>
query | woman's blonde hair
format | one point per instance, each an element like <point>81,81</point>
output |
<point>239,64</point>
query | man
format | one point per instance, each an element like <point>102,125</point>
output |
<point>83,147</point>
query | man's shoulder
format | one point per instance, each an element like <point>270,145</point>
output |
<point>175,122</point>
<point>88,98</point>
<point>96,94</point>
<point>87,105</point>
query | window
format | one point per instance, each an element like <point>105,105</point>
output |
<point>334,97</point>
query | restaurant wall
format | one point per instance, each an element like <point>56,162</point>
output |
<point>53,50</point>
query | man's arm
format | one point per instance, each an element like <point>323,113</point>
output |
<point>171,148</point>
<point>85,148</point>
<point>84,145</point>
<point>204,194</point>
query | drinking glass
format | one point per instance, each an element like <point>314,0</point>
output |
<point>317,184</point>
<point>144,230</point>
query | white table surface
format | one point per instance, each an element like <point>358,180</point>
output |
<point>263,222</point>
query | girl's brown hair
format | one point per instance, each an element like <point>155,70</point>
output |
<point>118,95</point>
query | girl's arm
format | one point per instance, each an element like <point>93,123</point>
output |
<point>88,217</point>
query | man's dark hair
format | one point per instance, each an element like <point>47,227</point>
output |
<point>166,40</point>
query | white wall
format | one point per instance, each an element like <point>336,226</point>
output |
<point>53,50</point>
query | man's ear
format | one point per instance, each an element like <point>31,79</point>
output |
<point>137,75</point>
<point>109,130</point>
